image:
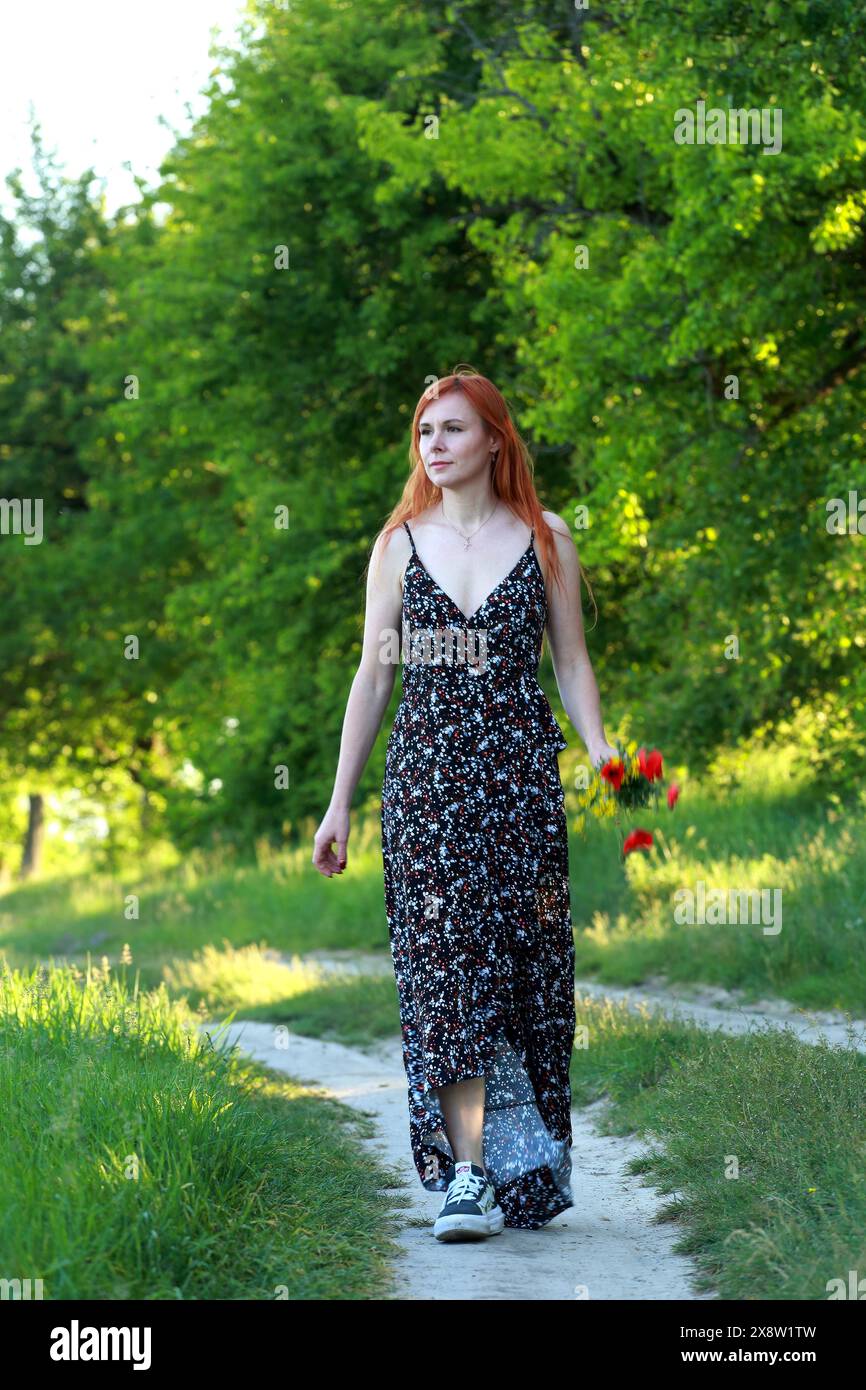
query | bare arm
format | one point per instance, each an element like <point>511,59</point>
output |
<point>374,678</point>
<point>368,697</point>
<point>575,677</point>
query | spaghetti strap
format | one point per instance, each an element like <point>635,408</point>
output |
<point>532,535</point>
<point>409,533</point>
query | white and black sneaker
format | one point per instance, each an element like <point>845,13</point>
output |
<point>469,1211</point>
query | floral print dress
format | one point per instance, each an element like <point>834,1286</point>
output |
<point>475,857</point>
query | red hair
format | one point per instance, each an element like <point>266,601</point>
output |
<point>511,474</point>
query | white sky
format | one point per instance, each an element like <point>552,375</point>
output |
<point>99,73</point>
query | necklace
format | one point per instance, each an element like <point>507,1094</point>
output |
<point>466,539</point>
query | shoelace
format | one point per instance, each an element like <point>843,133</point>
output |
<point>466,1185</point>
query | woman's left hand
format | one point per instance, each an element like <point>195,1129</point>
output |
<point>600,752</point>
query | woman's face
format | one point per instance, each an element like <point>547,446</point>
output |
<point>453,435</point>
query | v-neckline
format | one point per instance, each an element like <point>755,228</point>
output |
<point>484,603</point>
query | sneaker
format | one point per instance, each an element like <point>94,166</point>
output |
<point>469,1211</point>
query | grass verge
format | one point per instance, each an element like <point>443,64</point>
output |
<point>758,1140</point>
<point>140,1161</point>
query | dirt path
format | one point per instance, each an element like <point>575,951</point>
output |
<point>605,1247</point>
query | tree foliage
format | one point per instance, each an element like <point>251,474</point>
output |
<point>375,192</point>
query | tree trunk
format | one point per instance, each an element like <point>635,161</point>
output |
<point>31,860</point>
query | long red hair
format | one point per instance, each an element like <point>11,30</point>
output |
<point>511,475</point>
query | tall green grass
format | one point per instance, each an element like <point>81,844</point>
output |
<point>141,1159</point>
<point>759,1140</point>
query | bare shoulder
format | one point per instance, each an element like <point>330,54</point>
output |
<point>564,546</point>
<point>564,597</point>
<point>390,555</point>
<point>557,524</point>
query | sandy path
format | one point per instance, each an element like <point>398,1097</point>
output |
<point>605,1247</point>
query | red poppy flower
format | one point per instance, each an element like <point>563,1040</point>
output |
<point>650,764</point>
<point>638,839</point>
<point>673,793</point>
<point>613,772</point>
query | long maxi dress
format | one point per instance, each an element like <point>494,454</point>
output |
<point>475,858</point>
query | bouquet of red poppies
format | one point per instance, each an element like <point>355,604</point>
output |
<point>630,781</point>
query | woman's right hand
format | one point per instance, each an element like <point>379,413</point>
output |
<point>334,827</point>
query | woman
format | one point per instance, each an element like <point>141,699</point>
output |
<point>474,840</point>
